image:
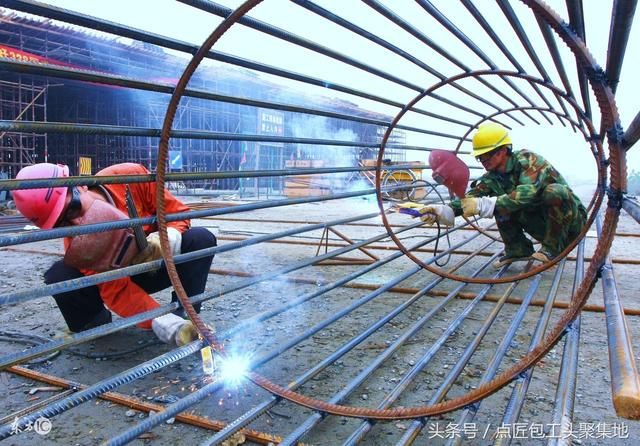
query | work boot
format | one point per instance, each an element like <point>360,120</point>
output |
<point>508,259</point>
<point>543,255</point>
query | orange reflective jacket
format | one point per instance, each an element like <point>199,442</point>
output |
<point>123,296</point>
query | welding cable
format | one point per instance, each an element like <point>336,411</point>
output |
<point>163,360</point>
<point>29,339</point>
<point>34,339</point>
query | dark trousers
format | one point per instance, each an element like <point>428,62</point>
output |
<point>83,309</point>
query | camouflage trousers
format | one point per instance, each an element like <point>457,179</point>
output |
<point>555,222</point>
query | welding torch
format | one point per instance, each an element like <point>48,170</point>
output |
<point>138,232</point>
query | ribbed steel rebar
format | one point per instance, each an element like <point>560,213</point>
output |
<point>625,381</point>
<point>393,348</point>
<point>521,384</point>
<point>416,426</point>
<point>103,386</point>
<point>246,418</point>
<point>492,368</point>
<point>64,15</point>
<point>562,416</point>
<point>103,78</point>
<point>632,135</point>
<point>587,70</point>
<point>112,327</point>
<point>359,434</point>
<point>178,406</point>
<point>595,202</point>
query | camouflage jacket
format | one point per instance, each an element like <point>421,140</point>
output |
<point>519,187</point>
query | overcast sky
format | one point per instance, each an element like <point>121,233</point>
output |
<point>558,143</point>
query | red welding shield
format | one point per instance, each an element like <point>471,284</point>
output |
<point>449,170</point>
<point>101,251</point>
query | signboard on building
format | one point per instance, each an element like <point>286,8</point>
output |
<point>175,159</point>
<point>270,122</point>
<point>85,165</point>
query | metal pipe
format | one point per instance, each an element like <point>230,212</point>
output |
<point>621,20</point>
<point>249,416</point>
<point>625,382</point>
<point>182,404</point>
<point>576,20</point>
<point>75,18</point>
<point>566,388</point>
<point>632,135</point>
<point>521,384</point>
<point>314,419</point>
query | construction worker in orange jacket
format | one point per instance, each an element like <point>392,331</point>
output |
<point>84,308</point>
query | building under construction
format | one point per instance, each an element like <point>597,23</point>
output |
<point>43,99</point>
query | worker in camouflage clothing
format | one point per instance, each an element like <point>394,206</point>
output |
<point>524,193</point>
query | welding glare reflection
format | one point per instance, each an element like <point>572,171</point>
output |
<point>233,368</point>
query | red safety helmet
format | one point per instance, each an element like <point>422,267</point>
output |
<point>42,206</point>
<point>449,170</point>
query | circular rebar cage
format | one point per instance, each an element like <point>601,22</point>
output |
<point>320,346</point>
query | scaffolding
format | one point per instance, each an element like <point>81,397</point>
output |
<point>21,99</point>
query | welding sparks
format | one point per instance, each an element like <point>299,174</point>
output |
<point>233,368</point>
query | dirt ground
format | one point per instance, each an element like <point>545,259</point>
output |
<point>594,421</point>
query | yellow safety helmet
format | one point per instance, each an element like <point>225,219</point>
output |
<point>489,137</point>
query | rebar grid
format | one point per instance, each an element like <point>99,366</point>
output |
<point>416,312</point>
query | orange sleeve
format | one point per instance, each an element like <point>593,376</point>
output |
<point>144,195</point>
<point>125,298</point>
<point>172,205</point>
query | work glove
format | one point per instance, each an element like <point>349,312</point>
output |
<point>170,328</point>
<point>440,213</point>
<point>153,250</point>
<point>410,208</point>
<point>481,206</point>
